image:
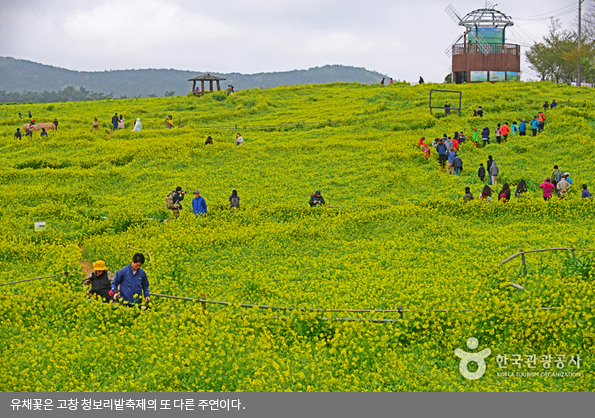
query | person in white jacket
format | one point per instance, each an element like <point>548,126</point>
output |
<point>137,126</point>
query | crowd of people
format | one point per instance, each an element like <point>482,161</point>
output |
<point>449,159</point>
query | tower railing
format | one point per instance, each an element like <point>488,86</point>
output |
<point>471,48</point>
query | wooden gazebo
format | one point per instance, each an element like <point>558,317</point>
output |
<point>205,77</point>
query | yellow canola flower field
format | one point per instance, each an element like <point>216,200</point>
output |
<point>395,238</point>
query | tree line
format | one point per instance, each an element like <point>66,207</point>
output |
<point>557,57</point>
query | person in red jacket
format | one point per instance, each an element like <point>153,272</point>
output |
<point>420,141</point>
<point>505,130</point>
<point>547,187</point>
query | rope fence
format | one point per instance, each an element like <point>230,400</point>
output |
<point>522,253</point>
<point>282,125</point>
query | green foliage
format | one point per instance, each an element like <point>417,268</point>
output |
<point>395,232</point>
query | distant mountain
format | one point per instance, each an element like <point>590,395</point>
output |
<point>18,76</point>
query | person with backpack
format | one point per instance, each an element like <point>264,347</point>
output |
<point>486,193</point>
<point>199,205</point>
<point>100,281</point>
<point>169,123</point>
<point>541,119</point>
<point>173,199</point>
<point>494,171</point>
<point>562,187</point>
<point>547,187</point>
<point>234,200</point>
<point>17,134</point>
<point>556,176</point>
<point>514,128</point>
<point>504,194</point>
<point>481,173</point>
<point>316,199</point>
<point>534,125</point>
<point>498,132</point>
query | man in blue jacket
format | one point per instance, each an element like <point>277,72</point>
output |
<point>199,205</point>
<point>534,125</point>
<point>132,281</point>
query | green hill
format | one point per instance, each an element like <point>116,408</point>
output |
<point>22,76</point>
<point>373,292</point>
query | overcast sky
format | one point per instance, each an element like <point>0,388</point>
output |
<point>403,39</point>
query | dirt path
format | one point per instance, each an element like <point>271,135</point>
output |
<point>86,265</point>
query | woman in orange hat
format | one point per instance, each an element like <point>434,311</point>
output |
<point>100,281</point>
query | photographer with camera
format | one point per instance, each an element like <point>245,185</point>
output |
<point>173,199</point>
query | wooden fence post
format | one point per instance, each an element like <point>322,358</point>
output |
<point>400,309</point>
<point>203,303</point>
<point>573,255</point>
<point>524,263</point>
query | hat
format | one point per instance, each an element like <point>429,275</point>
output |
<point>547,178</point>
<point>99,265</point>
<point>567,173</point>
<point>196,192</point>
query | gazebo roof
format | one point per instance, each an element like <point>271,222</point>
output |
<point>206,77</point>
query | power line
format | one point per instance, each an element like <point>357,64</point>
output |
<point>546,15</point>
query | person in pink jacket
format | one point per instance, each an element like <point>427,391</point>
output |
<point>547,187</point>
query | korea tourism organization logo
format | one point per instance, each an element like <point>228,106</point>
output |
<point>477,358</point>
<point>518,365</point>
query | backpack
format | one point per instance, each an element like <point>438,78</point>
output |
<point>502,196</point>
<point>317,200</point>
<point>169,201</point>
<point>235,202</point>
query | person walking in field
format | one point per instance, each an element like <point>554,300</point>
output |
<point>121,122</point>
<point>426,151</point>
<point>239,139</point>
<point>481,173</point>
<point>504,194</point>
<point>505,130</point>
<point>514,129</point>
<point>521,188</point>
<point>541,119</point>
<point>17,134</point>
<point>488,166</point>
<point>137,126</point>
<point>169,123</point>
<point>457,164</point>
<point>451,159</point>
<point>316,199</point>
<point>421,80</point>
<point>441,148</point>
<point>234,200</point>
<point>173,199</point>
<point>546,106</point>
<point>585,194</point>
<point>562,187</point>
<point>486,193</point>
<point>534,125</point>
<point>43,132</point>
<point>199,204</point>
<point>132,281</point>
<point>100,280</point>
<point>115,121</point>
<point>96,124</point>
<point>494,171</point>
<point>55,122</point>
<point>556,176</point>
<point>468,195</point>
<point>30,115</point>
<point>547,188</point>
<point>498,133</point>
<point>523,128</point>
<point>485,135</point>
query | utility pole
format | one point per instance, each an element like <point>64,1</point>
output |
<point>578,75</point>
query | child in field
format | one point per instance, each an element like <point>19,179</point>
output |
<point>521,188</point>
<point>96,124</point>
<point>504,194</point>
<point>481,173</point>
<point>426,151</point>
<point>486,193</point>
<point>475,134</point>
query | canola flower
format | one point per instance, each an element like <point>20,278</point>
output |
<point>101,193</point>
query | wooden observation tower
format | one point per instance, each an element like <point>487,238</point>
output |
<point>483,54</point>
